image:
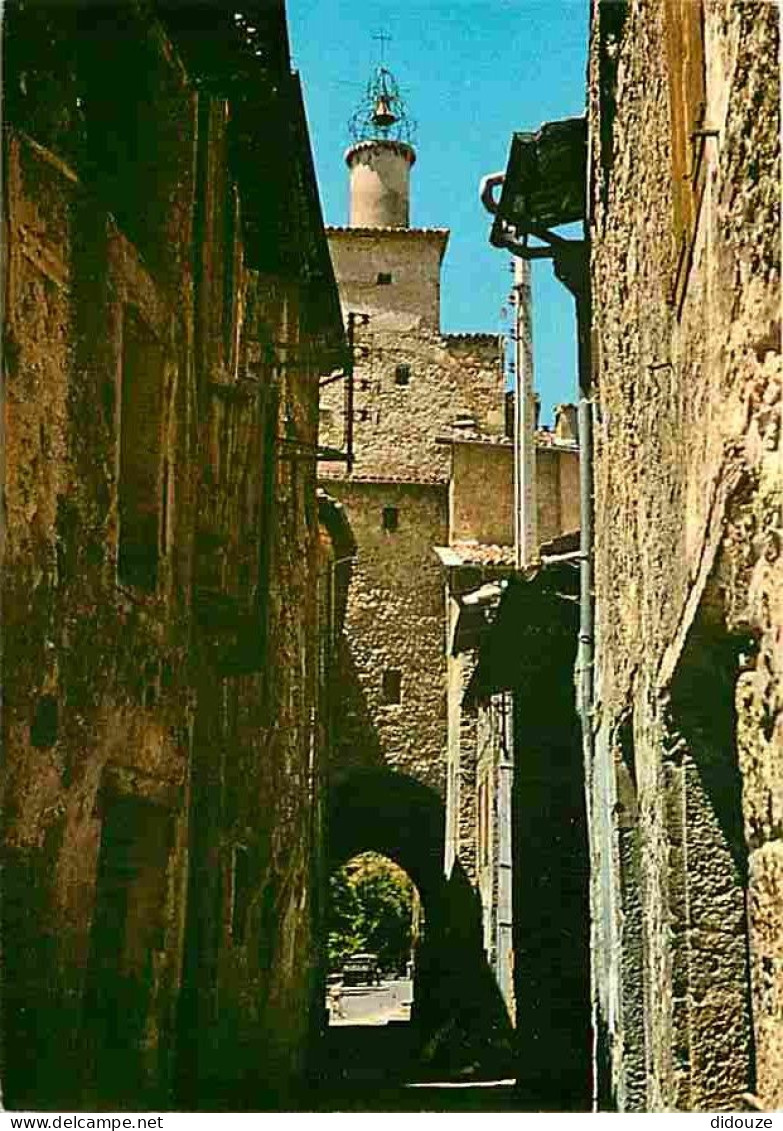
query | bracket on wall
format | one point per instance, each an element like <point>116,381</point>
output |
<point>346,373</point>
<point>542,188</point>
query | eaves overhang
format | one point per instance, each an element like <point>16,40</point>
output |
<point>544,184</point>
<point>533,630</point>
<point>475,616</point>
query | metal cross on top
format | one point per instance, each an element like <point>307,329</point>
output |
<point>383,38</point>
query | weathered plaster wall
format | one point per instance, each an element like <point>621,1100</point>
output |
<point>97,705</point>
<point>688,491</point>
<point>412,256</point>
<point>557,490</point>
<point>397,615</point>
<point>481,493</point>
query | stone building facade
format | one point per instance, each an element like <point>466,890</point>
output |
<point>412,383</point>
<point>482,551</point>
<point>430,493</point>
<point>496,743</point>
<point>531,853</point>
<point>686,783</point>
<point>167,317</point>
<point>676,171</point>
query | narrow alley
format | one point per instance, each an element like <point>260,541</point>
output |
<point>381,732</point>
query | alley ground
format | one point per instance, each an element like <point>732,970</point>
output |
<point>372,1062</point>
<point>375,1005</point>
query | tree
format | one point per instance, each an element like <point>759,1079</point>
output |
<point>370,909</point>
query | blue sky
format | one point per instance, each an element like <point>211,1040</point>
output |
<point>472,71</point>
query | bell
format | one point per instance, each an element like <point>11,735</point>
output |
<point>382,115</point>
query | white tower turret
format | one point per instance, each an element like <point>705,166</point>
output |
<point>381,157</point>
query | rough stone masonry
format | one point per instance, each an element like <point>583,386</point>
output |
<point>687,787</point>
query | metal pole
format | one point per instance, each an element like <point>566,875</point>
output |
<point>349,393</point>
<point>504,943</point>
<point>586,626</point>
<point>525,521</point>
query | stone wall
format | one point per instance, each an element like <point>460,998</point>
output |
<point>98,708</point>
<point>557,489</point>
<point>411,385</point>
<point>399,417</point>
<point>395,623</point>
<point>688,579</point>
<point>481,493</point>
<point>408,258</point>
<point>161,575</point>
<point>483,470</point>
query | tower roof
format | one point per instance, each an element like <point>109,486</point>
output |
<point>382,114</point>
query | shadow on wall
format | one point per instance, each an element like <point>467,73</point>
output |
<point>459,1014</point>
<point>708,870</point>
<point>459,1010</point>
<point>356,740</point>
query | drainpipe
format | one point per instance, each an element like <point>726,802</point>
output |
<point>586,652</point>
<point>487,190</point>
<point>525,504</point>
<point>586,622</point>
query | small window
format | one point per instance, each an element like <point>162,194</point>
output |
<point>364,414</point>
<point>384,278</point>
<point>391,686</point>
<point>402,375</point>
<point>391,519</point>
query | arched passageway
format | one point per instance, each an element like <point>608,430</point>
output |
<point>390,813</point>
<point>373,924</point>
<point>459,1021</point>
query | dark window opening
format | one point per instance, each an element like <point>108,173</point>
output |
<point>129,926</point>
<point>267,927</point>
<point>391,519</point>
<point>384,278</point>
<point>402,375</point>
<point>391,686</point>
<point>364,414</point>
<point>43,731</point>
<point>140,486</point>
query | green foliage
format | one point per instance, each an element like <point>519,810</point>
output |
<point>370,909</point>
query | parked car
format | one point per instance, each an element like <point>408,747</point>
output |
<point>362,969</point>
